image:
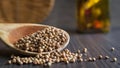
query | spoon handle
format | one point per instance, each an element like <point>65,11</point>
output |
<point>1,32</point>
<point>6,27</point>
<point>3,28</point>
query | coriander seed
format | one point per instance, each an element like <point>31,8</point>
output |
<point>112,49</point>
<point>114,59</point>
<point>10,62</point>
<point>106,57</point>
<point>81,60</point>
<point>93,59</point>
<point>100,57</point>
<point>89,59</point>
<point>78,51</point>
<point>84,50</point>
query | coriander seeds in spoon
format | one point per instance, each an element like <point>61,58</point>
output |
<point>32,39</point>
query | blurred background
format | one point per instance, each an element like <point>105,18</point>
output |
<point>64,13</point>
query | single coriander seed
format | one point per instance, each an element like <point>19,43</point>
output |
<point>107,57</point>
<point>100,57</point>
<point>112,49</point>
<point>114,59</point>
<point>93,59</point>
<point>84,50</point>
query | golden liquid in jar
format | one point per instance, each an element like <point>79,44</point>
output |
<point>93,16</point>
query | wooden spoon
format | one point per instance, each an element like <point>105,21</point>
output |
<point>10,33</point>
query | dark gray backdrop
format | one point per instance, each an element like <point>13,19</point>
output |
<point>64,13</point>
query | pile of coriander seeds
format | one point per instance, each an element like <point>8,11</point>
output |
<point>46,40</point>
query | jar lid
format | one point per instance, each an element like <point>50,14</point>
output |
<point>24,11</point>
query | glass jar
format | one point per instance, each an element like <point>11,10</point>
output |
<point>93,16</point>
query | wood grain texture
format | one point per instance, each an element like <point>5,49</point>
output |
<point>24,11</point>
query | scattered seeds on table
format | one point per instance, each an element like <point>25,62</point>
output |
<point>48,59</point>
<point>46,40</point>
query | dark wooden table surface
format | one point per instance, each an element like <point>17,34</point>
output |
<point>63,16</point>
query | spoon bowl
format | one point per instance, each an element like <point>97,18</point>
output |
<point>10,33</point>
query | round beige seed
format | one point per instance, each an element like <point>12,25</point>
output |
<point>78,51</point>
<point>67,61</point>
<point>81,60</point>
<point>49,63</point>
<point>106,57</point>
<point>112,49</point>
<point>114,59</point>
<point>10,62</point>
<point>20,62</point>
<point>84,50</point>
<point>100,57</point>
<point>89,59</point>
<point>93,59</point>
